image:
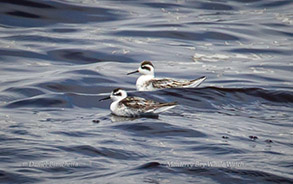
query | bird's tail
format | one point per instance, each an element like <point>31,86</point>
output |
<point>196,82</point>
<point>165,107</point>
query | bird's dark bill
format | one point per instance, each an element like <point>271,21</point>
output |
<point>108,97</point>
<point>132,72</point>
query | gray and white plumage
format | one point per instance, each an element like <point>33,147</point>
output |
<point>148,82</point>
<point>123,105</point>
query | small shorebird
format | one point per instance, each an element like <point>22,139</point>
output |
<point>135,106</point>
<point>148,82</point>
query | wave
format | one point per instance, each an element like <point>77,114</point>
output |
<point>216,174</point>
<point>24,14</point>
<point>204,97</point>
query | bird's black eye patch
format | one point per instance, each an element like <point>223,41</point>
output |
<point>146,68</point>
<point>116,90</point>
<point>147,63</point>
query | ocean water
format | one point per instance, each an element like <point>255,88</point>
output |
<point>58,57</point>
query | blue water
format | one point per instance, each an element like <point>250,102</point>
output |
<point>56,57</point>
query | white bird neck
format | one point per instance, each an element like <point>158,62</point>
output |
<point>142,80</point>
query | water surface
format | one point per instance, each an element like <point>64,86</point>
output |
<point>57,56</point>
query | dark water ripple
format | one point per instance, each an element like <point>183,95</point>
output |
<point>58,58</point>
<point>148,129</point>
<point>16,178</point>
<point>233,175</point>
<point>38,102</point>
<point>19,13</point>
<point>180,35</point>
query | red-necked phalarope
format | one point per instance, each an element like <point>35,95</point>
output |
<point>135,106</point>
<point>148,82</point>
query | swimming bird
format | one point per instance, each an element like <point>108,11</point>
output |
<point>130,106</point>
<point>148,82</point>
